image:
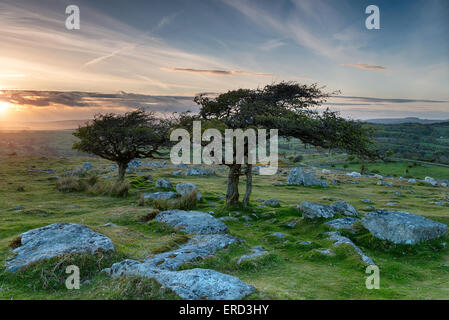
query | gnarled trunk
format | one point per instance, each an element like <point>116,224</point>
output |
<point>121,171</point>
<point>232,192</point>
<point>249,184</point>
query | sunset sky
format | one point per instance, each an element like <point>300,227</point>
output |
<point>159,54</point>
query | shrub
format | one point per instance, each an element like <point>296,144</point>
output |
<point>15,243</point>
<point>149,216</point>
<point>116,189</point>
<point>69,184</point>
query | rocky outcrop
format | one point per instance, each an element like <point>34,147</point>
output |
<point>165,184</point>
<point>192,284</point>
<point>187,188</point>
<point>298,176</point>
<point>340,240</point>
<point>159,195</point>
<point>402,227</point>
<point>342,223</point>
<point>256,252</point>
<point>55,240</point>
<point>312,210</point>
<point>271,203</point>
<point>192,221</point>
<point>199,172</point>
<point>344,208</point>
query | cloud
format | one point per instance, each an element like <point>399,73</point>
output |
<point>364,66</point>
<point>100,101</point>
<point>387,100</point>
<point>218,72</point>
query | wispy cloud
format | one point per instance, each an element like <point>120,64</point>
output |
<point>218,72</point>
<point>365,66</point>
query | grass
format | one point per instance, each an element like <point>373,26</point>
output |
<point>408,169</point>
<point>289,271</point>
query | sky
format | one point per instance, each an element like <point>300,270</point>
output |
<point>160,54</point>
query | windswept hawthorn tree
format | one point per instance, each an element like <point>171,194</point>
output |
<point>287,106</point>
<point>122,138</point>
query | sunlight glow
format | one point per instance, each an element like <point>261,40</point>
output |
<point>4,107</point>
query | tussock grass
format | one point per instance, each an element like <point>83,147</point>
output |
<point>50,274</point>
<point>136,288</point>
<point>186,202</point>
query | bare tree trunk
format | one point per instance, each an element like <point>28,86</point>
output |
<point>121,171</point>
<point>232,192</point>
<point>249,184</point>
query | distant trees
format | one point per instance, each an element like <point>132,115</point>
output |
<point>286,106</point>
<point>122,138</point>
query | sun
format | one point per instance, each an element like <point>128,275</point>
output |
<point>4,107</point>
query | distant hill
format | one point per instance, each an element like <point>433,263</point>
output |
<point>41,125</point>
<point>404,120</point>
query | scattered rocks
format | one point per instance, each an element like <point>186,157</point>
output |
<point>366,200</point>
<point>256,252</point>
<point>402,227</point>
<point>160,195</point>
<point>192,221</point>
<point>199,172</point>
<point>187,188</point>
<point>325,171</point>
<point>378,176</point>
<point>339,240</point>
<point>354,174</point>
<point>298,176</point>
<point>314,210</point>
<point>291,224</point>
<point>411,180</point>
<point>326,252</point>
<point>271,202</point>
<point>384,183</point>
<point>165,184</point>
<point>55,240</point>
<point>430,181</point>
<point>342,223</point>
<point>305,243</point>
<point>342,207</point>
<point>278,235</point>
<point>178,173</point>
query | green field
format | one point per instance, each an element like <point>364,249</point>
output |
<point>407,169</point>
<point>290,271</point>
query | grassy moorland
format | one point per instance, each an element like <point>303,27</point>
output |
<point>289,271</point>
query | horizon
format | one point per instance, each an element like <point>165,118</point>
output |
<point>159,55</point>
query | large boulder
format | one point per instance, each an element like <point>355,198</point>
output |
<point>342,207</point>
<point>312,210</point>
<point>192,221</point>
<point>298,176</point>
<point>55,240</point>
<point>165,184</point>
<point>192,284</point>
<point>160,195</point>
<point>402,227</point>
<point>187,188</point>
